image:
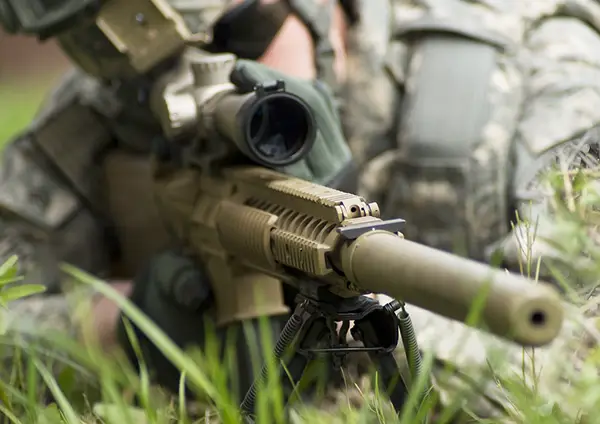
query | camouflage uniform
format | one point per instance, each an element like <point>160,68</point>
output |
<point>454,110</point>
<point>76,182</point>
<point>451,107</point>
<point>470,100</point>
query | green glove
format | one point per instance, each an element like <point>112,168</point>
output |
<point>330,159</point>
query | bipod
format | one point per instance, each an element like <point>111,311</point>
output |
<point>313,323</point>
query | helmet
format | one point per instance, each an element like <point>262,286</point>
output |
<point>108,39</point>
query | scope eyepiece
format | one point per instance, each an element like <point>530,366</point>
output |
<point>271,126</point>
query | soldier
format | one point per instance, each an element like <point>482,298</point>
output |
<point>77,182</point>
<point>453,171</point>
<point>454,110</point>
<point>462,107</point>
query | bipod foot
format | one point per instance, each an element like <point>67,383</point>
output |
<point>314,321</point>
<point>378,332</point>
<point>311,324</point>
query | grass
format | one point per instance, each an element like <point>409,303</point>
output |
<point>52,379</point>
<point>18,104</point>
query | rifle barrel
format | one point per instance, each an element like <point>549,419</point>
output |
<point>515,308</point>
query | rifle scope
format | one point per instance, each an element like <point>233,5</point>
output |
<point>262,120</point>
<point>269,125</point>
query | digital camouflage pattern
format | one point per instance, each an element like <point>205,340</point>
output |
<point>542,78</point>
<point>542,100</point>
<point>45,217</point>
<point>455,185</point>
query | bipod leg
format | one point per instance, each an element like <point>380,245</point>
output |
<point>302,329</point>
<point>379,329</point>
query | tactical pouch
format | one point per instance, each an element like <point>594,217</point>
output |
<point>450,177</point>
<point>48,196</point>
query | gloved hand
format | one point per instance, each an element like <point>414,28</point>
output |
<point>330,160</point>
<point>175,293</point>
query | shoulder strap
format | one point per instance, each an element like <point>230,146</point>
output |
<point>237,30</point>
<point>318,18</point>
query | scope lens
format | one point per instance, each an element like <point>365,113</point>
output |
<point>280,129</point>
<point>259,124</point>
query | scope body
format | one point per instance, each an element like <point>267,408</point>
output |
<point>197,103</point>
